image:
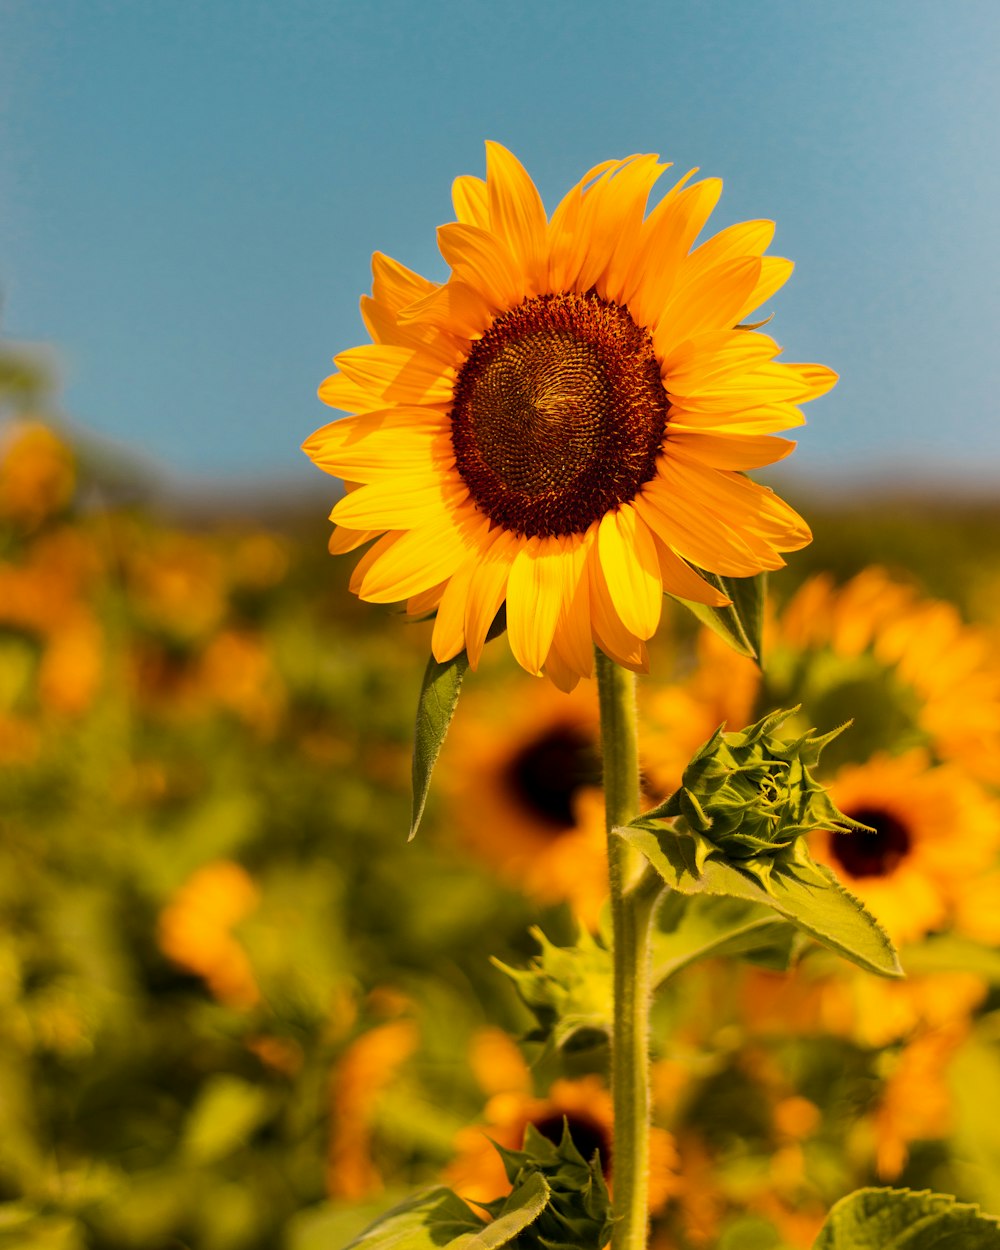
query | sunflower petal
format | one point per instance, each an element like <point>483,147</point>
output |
<point>472,205</point>
<point>730,451</point>
<point>534,597</point>
<point>482,260</point>
<point>612,637</point>
<point>488,589</point>
<point>517,214</point>
<point>455,307</point>
<point>397,374</point>
<point>420,559</point>
<point>631,570</point>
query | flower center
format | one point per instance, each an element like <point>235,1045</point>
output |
<point>877,854</point>
<point>559,414</point>
<point>546,774</point>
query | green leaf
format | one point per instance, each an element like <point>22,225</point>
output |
<point>439,693</point>
<point>797,888</point>
<point>568,990</point>
<point>525,1204</point>
<point>904,1219</point>
<point>438,699</point>
<point>741,624</point>
<point>425,1221</point>
<point>694,927</point>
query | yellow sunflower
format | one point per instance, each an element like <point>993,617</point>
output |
<point>477,1172</point>
<point>523,776</point>
<point>935,830</point>
<point>563,424</point>
<point>907,668</point>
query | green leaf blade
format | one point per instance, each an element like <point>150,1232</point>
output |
<point>426,1221</point>
<point>741,623</point>
<point>904,1219</point>
<point>439,693</point>
<point>799,890</point>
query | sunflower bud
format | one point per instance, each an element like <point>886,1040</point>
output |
<point>751,794</point>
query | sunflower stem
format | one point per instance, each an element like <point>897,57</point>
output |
<point>633,903</point>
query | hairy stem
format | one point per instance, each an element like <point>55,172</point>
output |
<point>632,907</point>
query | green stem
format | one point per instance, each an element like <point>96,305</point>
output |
<point>632,907</point>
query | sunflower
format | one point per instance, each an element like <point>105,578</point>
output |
<point>524,794</point>
<point>584,1103</point>
<point>563,424</point>
<point>908,669</point>
<point>912,870</point>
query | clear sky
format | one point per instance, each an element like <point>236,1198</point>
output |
<point>190,192</point>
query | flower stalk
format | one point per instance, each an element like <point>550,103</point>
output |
<point>632,906</point>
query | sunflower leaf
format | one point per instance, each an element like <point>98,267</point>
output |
<point>425,1221</point>
<point>695,927</point>
<point>439,693</point>
<point>905,1219</point>
<point>794,885</point>
<point>741,623</point>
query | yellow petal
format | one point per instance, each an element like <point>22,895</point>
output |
<point>681,580</point>
<point>573,638</point>
<point>484,262</point>
<point>394,286</point>
<point>617,222</point>
<point>631,570</point>
<point>517,214</point>
<point>765,419</point>
<point>448,637</point>
<point>774,273</point>
<point>455,307</point>
<point>398,374</point>
<point>343,540</point>
<point>472,206</point>
<point>419,606</point>
<point>347,432</point>
<point>746,238</point>
<point>385,327</point>
<point>374,552</point>
<point>736,452</point>
<point>612,637</point>
<point>392,454</point>
<point>339,391</point>
<point>754,508</point>
<point>703,539</point>
<point>564,231</point>
<point>399,503</point>
<point>421,558</point>
<point>668,233</point>
<point>711,303</point>
<point>487,589</point>
<point>715,357</point>
<point>534,596</point>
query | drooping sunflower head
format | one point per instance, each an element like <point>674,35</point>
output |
<point>564,424</point>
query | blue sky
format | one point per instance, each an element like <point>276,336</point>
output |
<point>190,194</point>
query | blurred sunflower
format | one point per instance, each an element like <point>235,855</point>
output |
<point>525,798</point>
<point>722,688</point>
<point>907,669</point>
<point>564,423</point>
<point>584,1103</point>
<point>910,871</point>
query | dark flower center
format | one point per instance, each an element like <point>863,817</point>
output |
<point>559,414</point>
<point>587,1135</point>
<point>546,774</point>
<point>863,854</point>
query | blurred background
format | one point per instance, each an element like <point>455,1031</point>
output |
<point>237,1010</point>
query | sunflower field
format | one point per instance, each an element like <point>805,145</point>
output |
<point>238,1011</point>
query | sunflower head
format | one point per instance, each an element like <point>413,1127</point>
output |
<point>563,426</point>
<point>753,794</point>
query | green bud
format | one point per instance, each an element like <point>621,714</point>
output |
<point>751,794</point>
